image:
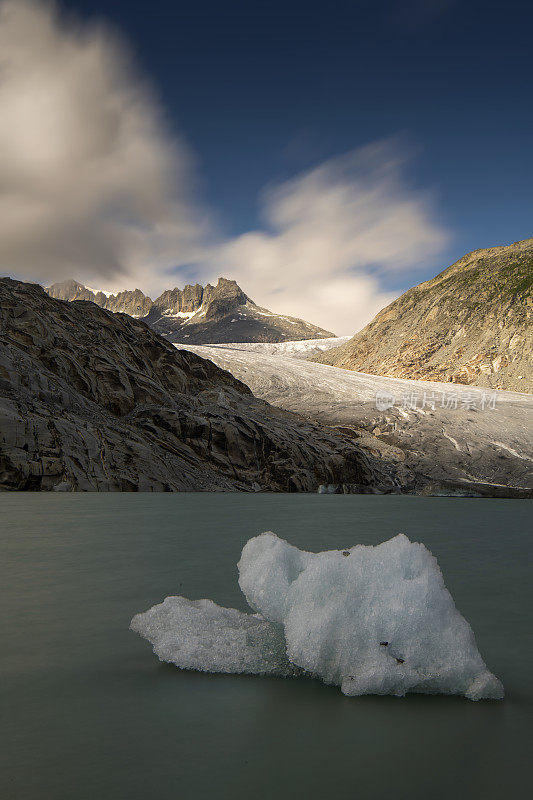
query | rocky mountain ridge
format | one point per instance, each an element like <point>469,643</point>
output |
<point>96,401</point>
<point>197,314</point>
<point>471,324</point>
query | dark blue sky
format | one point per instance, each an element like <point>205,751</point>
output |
<point>262,90</point>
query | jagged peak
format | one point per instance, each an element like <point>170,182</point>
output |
<point>195,311</point>
<point>75,285</point>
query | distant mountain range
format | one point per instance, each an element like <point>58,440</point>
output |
<point>471,324</point>
<point>198,314</point>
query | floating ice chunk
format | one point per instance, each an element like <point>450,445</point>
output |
<point>198,634</point>
<point>373,620</point>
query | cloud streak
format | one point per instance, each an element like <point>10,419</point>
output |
<point>93,186</point>
<point>91,181</point>
<point>331,234</point>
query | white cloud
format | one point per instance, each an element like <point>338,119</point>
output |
<point>94,187</point>
<point>333,232</point>
<point>91,182</point>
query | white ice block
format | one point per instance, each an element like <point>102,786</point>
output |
<point>198,634</point>
<point>373,620</point>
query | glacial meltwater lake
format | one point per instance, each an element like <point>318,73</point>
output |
<point>89,713</point>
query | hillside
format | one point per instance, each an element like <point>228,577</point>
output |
<point>472,324</point>
<point>198,314</point>
<point>96,401</point>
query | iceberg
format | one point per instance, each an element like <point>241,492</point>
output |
<point>370,619</point>
<point>200,635</point>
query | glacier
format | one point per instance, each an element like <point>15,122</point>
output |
<point>369,619</point>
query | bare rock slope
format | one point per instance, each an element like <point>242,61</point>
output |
<point>472,324</point>
<point>96,401</point>
<point>198,314</point>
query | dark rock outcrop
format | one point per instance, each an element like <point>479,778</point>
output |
<point>96,401</point>
<point>472,324</point>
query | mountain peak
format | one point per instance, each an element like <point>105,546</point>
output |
<point>197,314</point>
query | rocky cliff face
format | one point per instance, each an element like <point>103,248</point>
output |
<point>95,401</point>
<point>472,324</point>
<point>198,314</point>
<point>134,303</point>
<point>183,301</point>
<point>72,290</point>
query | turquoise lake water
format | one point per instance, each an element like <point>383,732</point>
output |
<point>89,713</point>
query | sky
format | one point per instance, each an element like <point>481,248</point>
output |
<point>326,156</point>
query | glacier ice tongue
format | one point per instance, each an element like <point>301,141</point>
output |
<point>200,635</point>
<point>373,620</point>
